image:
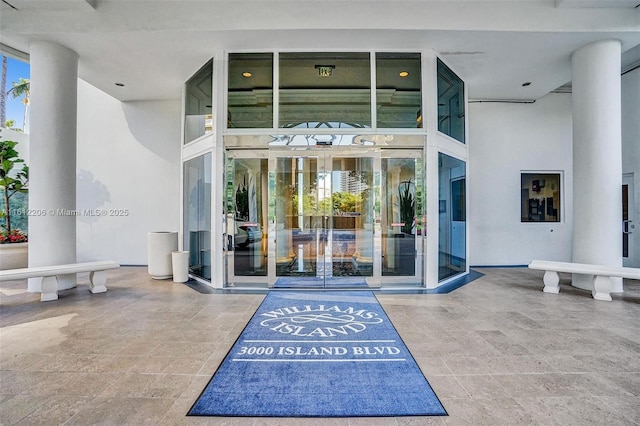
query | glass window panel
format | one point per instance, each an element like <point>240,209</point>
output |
<point>248,193</point>
<point>198,120</point>
<point>399,211</point>
<point>540,197</point>
<point>398,90</point>
<point>450,103</point>
<point>300,207</point>
<point>452,217</point>
<point>250,91</point>
<point>325,90</point>
<point>352,216</point>
<point>197,215</point>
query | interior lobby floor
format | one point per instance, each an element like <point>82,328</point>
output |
<point>497,351</point>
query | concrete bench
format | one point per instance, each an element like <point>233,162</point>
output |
<point>49,275</point>
<point>601,275</point>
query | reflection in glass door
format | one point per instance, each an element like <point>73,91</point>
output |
<point>197,215</point>
<point>402,189</point>
<point>246,214</point>
<point>323,213</point>
<point>324,217</point>
<point>452,258</point>
<point>300,197</point>
<point>352,216</point>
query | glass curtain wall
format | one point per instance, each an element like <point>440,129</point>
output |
<point>325,90</point>
<point>333,90</point>
<point>197,215</point>
<point>398,90</point>
<point>450,103</point>
<point>198,120</point>
<point>452,217</point>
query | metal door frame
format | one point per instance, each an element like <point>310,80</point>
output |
<point>325,155</point>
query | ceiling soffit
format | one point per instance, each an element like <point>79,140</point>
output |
<point>153,47</point>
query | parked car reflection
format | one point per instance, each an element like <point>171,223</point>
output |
<point>247,234</point>
<point>254,234</point>
<point>241,237</point>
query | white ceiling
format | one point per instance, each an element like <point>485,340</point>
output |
<point>154,46</point>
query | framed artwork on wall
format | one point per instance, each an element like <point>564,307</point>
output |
<point>540,196</point>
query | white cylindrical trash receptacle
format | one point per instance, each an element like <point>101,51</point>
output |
<point>160,245</point>
<point>180,261</point>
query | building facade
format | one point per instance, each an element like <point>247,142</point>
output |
<point>388,148</point>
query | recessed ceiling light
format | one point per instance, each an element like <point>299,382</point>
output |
<point>526,83</point>
<point>120,84</point>
<point>246,74</point>
<point>404,74</point>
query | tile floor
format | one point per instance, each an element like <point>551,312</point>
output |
<point>497,351</point>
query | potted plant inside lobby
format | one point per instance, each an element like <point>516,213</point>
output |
<point>406,199</point>
<point>405,242</point>
<point>14,179</point>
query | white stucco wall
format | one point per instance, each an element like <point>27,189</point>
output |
<point>129,165</point>
<point>506,139</point>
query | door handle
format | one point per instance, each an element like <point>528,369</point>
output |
<point>626,225</point>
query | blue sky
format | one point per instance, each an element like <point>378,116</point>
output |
<point>15,70</point>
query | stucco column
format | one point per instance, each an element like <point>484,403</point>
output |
<point>597,158</point>
<point>52,159</point>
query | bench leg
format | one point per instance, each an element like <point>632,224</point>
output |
<point>551,282</point>
<point>49,289</point>
<point>98,281</point>
<point>601,288</point>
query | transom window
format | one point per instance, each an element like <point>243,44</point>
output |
<point>325,87</point>
<point>324,90</point>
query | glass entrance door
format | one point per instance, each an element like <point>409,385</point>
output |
<point>323,212</point>
<point>314,216</point>
<point>246,215</point>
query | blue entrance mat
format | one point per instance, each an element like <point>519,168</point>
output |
<point>319,282</point>
<point>318,354</point>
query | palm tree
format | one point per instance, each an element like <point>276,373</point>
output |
<point>9,124</point>
<point>3,94</point>
<point>21,88</point>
